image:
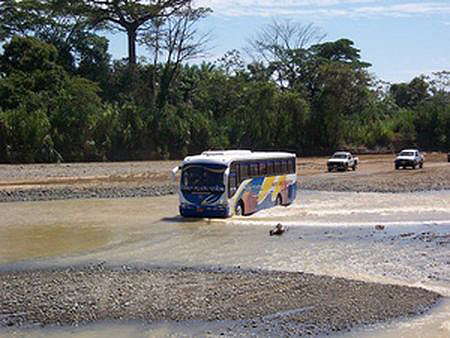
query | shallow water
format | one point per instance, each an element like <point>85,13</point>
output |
<point>329,233</point>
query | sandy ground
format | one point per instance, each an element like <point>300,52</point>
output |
<point>375,173</point>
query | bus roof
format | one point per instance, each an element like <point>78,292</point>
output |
<point>225,157</point>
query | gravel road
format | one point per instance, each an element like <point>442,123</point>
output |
<point>258,302</point>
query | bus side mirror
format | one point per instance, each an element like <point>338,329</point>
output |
<point>174,173</point>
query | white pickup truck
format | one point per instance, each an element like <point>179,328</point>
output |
<point>409,158</point>
<point>342,160</point>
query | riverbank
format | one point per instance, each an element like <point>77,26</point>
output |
<point>252,301</point>
<point>42,182</point>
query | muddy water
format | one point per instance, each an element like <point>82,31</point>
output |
<point>329,233</point>
<point>41,229</point>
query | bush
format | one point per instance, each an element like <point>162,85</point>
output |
<point>26,137</point>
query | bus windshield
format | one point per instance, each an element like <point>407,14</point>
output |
<point>202,178</point>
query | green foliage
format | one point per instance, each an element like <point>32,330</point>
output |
<point>409,95</point>
<point>73,119</point>
<point>91,110</point>
<point>26,136</point>
<point>432,122</point>
<point>31,76</point>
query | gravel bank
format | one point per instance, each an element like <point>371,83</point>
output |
<point>12,172</point>
<point>71,192</point>
<point>258,302</point>
<point>47,193</point>
<point>40,182</point>
<point>389,182</point>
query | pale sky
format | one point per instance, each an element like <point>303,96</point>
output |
<point>400,38</point>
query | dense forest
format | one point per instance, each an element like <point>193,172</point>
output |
<point>62,98</point>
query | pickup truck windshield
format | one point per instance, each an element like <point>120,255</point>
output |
<point>407,153</point>
<point>339,156</point>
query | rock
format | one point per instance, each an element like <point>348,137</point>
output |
<point>278,230</point>
<point>379,227</point>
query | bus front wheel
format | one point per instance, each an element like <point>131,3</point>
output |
<point>239,210</point>
<point>278,200</point>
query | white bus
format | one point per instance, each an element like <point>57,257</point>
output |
<point>235,182</point>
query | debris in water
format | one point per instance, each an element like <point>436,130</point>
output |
<point>278,230</point>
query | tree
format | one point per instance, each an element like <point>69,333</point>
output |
<point>57,23</point>
<point>31,76</point>
<point>178,40</point>
<point>409,95</point>
<point>27,136</point>
<point>277,37</point>
<point>281,45</point>
<point>59,109</point>
<point>337,85</point>
<point>130,16</point>
<point>22,17</point>
<point>339,50</point>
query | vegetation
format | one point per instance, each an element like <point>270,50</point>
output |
<point>63,99</point>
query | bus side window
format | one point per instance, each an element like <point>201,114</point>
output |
<point>292,166</point>
<point>284,168</point>
<point>262,168</point>
<point>277,167</point>
<point>270,168</point>
<point>238,173</point>
<point>243,168</point>
<point>254,169</point>
<point>232,180</point>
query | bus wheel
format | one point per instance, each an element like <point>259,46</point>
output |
<point>278,200</point>
<point>239,210</point>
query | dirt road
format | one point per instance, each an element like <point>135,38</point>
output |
<point>376,173</point>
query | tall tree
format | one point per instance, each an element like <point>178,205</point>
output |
<point>281,45</point>
<point>21,17</point>
<point>409,95</point>
<point>178,40</point>
<point>130,16</point>
<point>60,23</point>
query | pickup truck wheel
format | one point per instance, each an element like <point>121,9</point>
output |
<point>421,165</point>
<point>413,166</point>
<point>396,167</point>
<point>354,167</point>
<point>329,170</point>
